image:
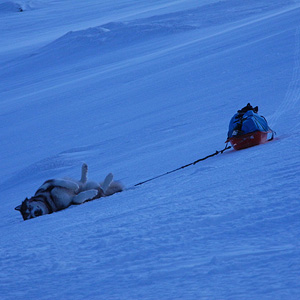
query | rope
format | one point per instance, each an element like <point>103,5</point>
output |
<point>185,166</point>
<point>273,134</point>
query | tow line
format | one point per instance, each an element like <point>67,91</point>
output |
<point>185,166</point>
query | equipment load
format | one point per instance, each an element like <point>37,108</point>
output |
<point>247,128</point>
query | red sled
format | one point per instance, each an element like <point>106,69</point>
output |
<point>248,140</point>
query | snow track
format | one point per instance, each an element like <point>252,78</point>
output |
<point>292,98</point>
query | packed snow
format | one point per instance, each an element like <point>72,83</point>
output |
<point>140,88</point>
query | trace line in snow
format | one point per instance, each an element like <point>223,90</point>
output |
<point>292,95</point>
<point>80,76</point>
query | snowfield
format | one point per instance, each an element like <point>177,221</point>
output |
<point>139,88</point>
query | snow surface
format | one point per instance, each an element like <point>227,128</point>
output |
<point>139,88</point>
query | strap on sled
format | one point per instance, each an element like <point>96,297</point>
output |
<point>273,134</point>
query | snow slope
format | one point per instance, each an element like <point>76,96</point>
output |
<point>139,88</point>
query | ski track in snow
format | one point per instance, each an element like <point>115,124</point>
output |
<point>292,97</point>
<point>138,92</point>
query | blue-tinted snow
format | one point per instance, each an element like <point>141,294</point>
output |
<point>139,88</point>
